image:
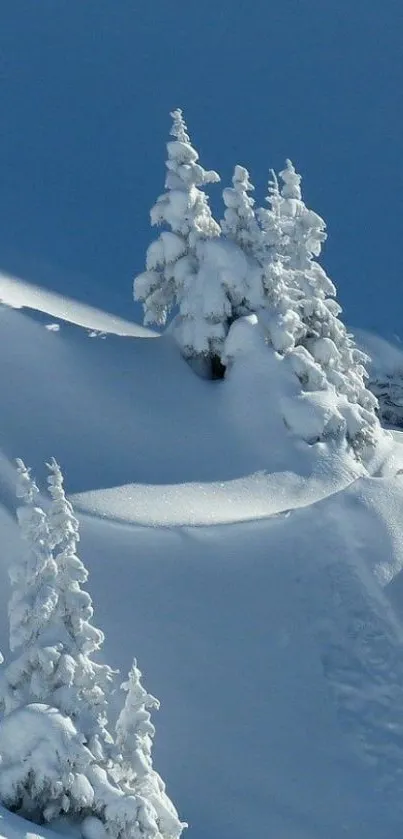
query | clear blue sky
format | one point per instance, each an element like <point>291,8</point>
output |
<point>86,87</point>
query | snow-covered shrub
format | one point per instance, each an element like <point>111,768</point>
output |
<point>43,765</point>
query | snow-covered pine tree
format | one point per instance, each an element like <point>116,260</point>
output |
<point>56,755</point>
<point>134,738</point>
<point>239,222</point>
<point>81,685</point>
<point>43,760</point>
<point>181,273</point>
<point>63,525</point>
<point>32,608</point>
<point>304,317</point>
<point>172,260</point>
<point>134,729</point>
<point>244,261</point>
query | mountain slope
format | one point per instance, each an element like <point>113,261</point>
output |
<point>255,577</point>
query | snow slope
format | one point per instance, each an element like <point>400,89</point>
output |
<point>19,294</point>
<point>256,578</point>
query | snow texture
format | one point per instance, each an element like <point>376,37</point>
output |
<point>44,764</point>
<point>275,645</point>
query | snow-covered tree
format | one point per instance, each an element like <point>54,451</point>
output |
<point>57,757</point>
<point>246,270</point>
<point>239,222</point>
<point>172,260</point>
<point>63,525</point>
<point>302,313</point>
<point>182,270</point>
<point>134,729</point>
<point>51,632</point>
<point>81,685</point>
<point>134,739</point>
<point>32,607</point>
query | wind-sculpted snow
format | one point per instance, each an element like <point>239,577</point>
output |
<point>274,645</point>
<point>18,294</point>
<point>254,497</point>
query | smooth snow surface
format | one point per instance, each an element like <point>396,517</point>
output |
<point>271,632</point>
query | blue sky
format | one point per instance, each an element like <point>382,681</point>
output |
<point>86,87</point>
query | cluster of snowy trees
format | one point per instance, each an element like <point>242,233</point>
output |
<point>260,261</point>
<point>60,759</point>
<point>388,389</point>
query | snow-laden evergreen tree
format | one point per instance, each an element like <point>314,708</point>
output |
<point>239,222</point>
<point>43,760</point>
<point>81,685</point>
<point>182,273</point>
<point>50,619</point>
<point>63,525</point>
<point>32,608</point>
<point>134,729</point>
<point>134,739</point>
<point>304,317</point>
<point>246,274</point>
<point>172,260</point>
<point>57,758</point>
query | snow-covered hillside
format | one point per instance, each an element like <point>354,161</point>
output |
<point>255,576</point>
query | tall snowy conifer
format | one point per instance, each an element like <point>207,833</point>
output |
<point>63,525</point>
<point>321,351</point>
<point>32,608</point>
<point>182,270</point>
<point>172,260</point>
<point>82,685</point>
